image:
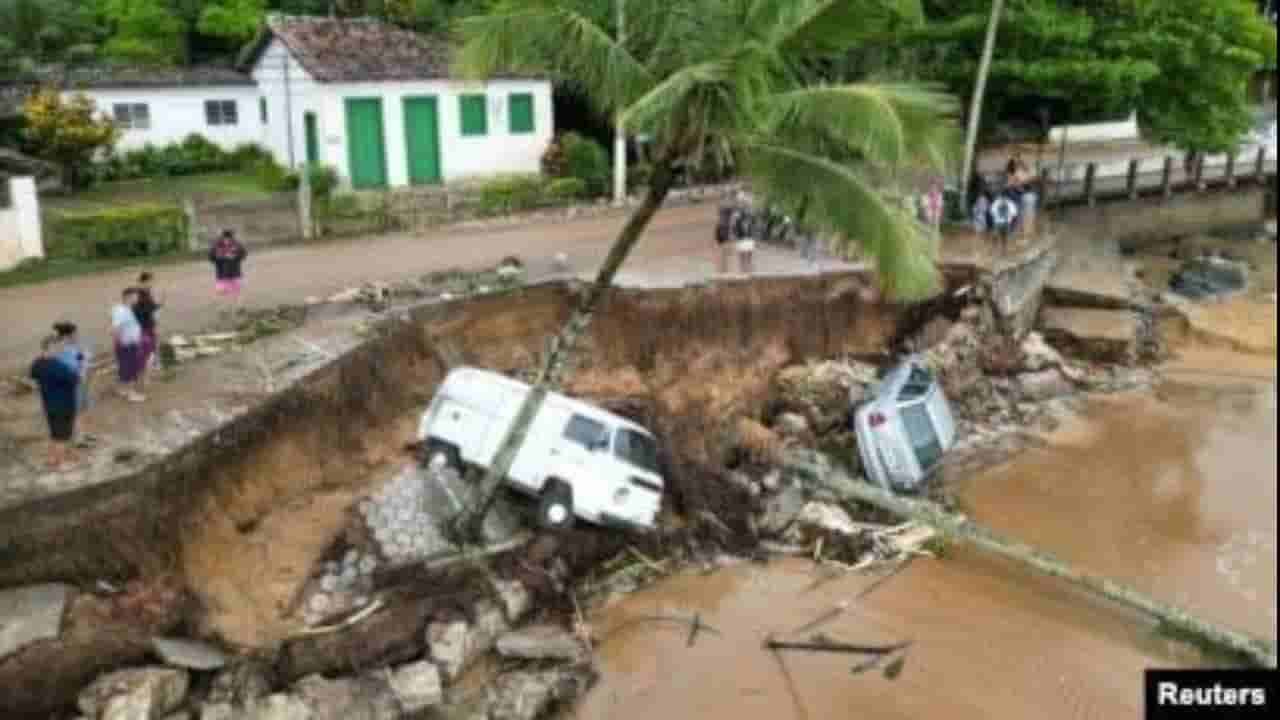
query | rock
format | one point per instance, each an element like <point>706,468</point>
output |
<point>528,695</point>
<point>829,518</point>
<point>490,623</point>
<point>1044,385</point>
<point>561,262</point>
<point>219,711</point>
<point>1107,336</point>
<point>515,598</point>
<point>772,481</point>
<point>792,425</point>
<point>189,654</point>
<point>349,295</point>
<point>240,684</point>
<point>743,482</point>
<point>157,690</point>
<point>541,642</point>
<point>447,643</point>
<point>1037,354</point>
<point>279,707</point>
<point>417,687</point>
<point>823,392</point>
<point>781,510</point>
<point>180,715</point>
<point>127,707</point>
<point>30,614</point>
<point>362,698</point>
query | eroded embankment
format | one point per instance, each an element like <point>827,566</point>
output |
<point>223,505</point>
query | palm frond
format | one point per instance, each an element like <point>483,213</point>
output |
<point>842,201</point>
<point>555,37</point>
<point>826,27</point>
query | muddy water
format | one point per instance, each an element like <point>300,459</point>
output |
<point>1175,494</point>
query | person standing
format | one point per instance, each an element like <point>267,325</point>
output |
<point>227,256</point>
<point>57,384</point>
<point>725,223</point>
<point>1004,213</point>
<point>145,311</point>
<point>981,214</point>
<point>126,336</point>
<point>78,359</point>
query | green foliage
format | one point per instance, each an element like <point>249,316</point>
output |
<point>747,84</point>
<point>273,177</point>
<point>566,190</point>
<point>638,175</point>
<point>586,160</point>
<point>134,231</point>
<point>503,194</point>
<point>68,132</point>
<point>236,20</point>
<point>195,155</point>
<point>145,32</point>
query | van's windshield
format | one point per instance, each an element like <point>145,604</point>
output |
<point>637,449</point>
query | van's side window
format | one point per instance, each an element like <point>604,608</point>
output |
<point>587,432</point>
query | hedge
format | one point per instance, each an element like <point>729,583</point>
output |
<point>136,231</point>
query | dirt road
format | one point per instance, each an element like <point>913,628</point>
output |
<point>290,274</point>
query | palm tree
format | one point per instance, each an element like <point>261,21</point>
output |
<point>746,81</point>
<point>979,93</point>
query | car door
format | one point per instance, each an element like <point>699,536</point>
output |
<point>577,458</point>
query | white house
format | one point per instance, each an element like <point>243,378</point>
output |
<point>378,104</point>
<point>159,106</point>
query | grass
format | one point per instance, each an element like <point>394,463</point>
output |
<point>218,187</point>
<point>38,271</point>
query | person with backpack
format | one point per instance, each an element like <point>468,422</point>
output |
<point>73,353</point>
<point>58,384</point>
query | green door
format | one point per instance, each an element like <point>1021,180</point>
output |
<point>366,145</point>
<point>313,138</point>
<point>422,140</point>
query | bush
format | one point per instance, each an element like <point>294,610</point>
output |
<point>505,194</point>
<point>273,177</point>
<point>248,156</point>
<point>323,180</point>
<point>195,155</point>
<point>567,189</point>
<point>554,163</point>
<point>136,231</point>
<point>586,160</point>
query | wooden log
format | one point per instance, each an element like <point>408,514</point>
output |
<point>1166,183</point>
<point>1253,650</point>
<point>1231,169</point>
<point>1133,178</point>
<point>1090,184</point>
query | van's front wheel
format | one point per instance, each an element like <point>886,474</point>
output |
<point>555,510</point>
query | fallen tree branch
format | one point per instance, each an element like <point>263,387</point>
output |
<point>1253,650</point>
<point>827,646</point>
<point>694,624</point>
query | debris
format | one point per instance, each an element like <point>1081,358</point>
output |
<point>23,386</point>
<point>1044,385</point>
<point>826,517</point>
<point>821,644</point>
<point>189,654</point>
<point>541,642</point>
<point>417,687</point>
<point>822,619</point>
<point>31,614</point>
<point>150,692</point>
<point>515,598</point>
<point>529,695</point>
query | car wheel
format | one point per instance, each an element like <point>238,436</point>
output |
<point>555,510</point>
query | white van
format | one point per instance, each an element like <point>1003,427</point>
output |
<point>577,459</point>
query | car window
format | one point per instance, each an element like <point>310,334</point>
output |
<point>586,432</point>
<point>917,385</point>
<point>637,449</point>
<point>923,436</point>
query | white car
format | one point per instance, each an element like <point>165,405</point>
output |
<point>576,459</point>
<point>905,429</point>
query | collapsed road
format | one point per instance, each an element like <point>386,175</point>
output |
<point>233,540</point>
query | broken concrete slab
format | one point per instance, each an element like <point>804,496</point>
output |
<point>447,644</point>
<point>359,698</point>
<point>31,614</point>
<point>528,695</point>
<point>541,642</point>
<point>189,654</point>
<point>155,690</point>
<point>417,687</point>
<point>1098,289</point>
<point>1098,335</point>
<point>1044,385</point>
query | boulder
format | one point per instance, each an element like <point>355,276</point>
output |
<point>154,691</point>
<point>240,684</point>
<point>31,614</point>
<point>1043,385</point>
<point>189,654</point>
<point>781,510</point>
<point>221,711</point>
<point>447,643</point>
<point>1037,354</point>
<point>541,642</point>
<point>417,687</point>
<point>361,698</point>
<point>826,517</point>
<point>791,425</point>
<point>515,599</point>
<point>278,707</point>
<point>529,695</point>
<point>823,393</point>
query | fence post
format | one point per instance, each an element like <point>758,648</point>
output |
<point>1090,189</point>
<point>1166,184</point>
<point>193,227</point>
<point>1133,178</point>
<point>1198,180</point>
<point>1046,179</point>
<point>306,225</point>
<point>1260,170</point>
<point>1231,169</point>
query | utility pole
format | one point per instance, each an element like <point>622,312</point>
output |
<point>619,133</point>
<point>979,91</point>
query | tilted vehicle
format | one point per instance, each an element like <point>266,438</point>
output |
<point>577,459</point>
<point>905,429</point>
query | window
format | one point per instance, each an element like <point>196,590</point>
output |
<point>587,432</point>
<point>520,106</point>
<point>132,116</point>
<point>262,110</point>
<point>475,115</point>
<point>637,449</point>
<point>922,435</point>
<point>220,112</point>
<point>917,385</point>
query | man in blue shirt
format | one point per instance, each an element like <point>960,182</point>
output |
<point>58,384</point>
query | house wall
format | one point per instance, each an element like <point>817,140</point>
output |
<point>178,112</point>
<point>497,152</point>
<point>20,232</point>
<point>290,92</point>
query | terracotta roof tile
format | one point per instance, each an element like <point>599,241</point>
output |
<point>360,50</point>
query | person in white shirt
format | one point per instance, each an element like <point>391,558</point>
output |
<point>1003,215</point>
<point>126,335</point>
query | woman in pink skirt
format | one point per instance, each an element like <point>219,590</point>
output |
<point>227,256</point>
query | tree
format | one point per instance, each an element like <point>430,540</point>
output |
<point>145,32</point>
<point>739,79</point>
<point>1207,54</point>
<point>979,92</point>
<point>236,20</point>
<point>67,132</point>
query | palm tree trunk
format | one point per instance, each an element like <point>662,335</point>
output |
<point>563,345</point>
<point>979,93</point>
<point>959,528</point>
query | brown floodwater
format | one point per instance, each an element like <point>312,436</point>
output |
<point>1174,494</point>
